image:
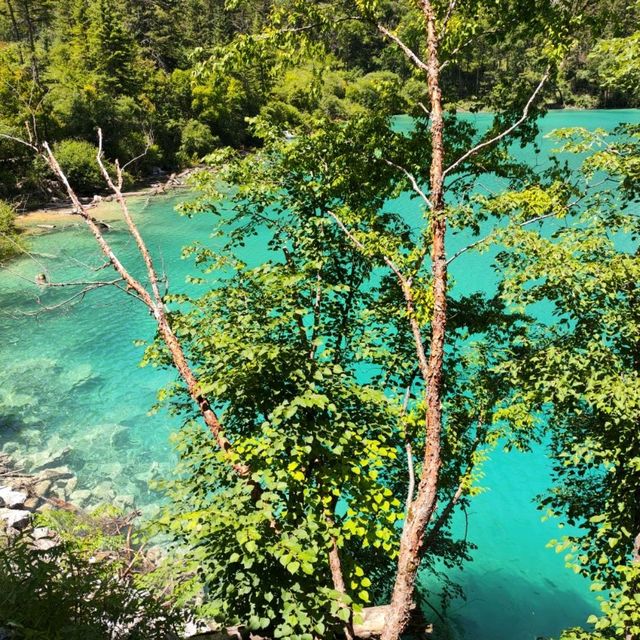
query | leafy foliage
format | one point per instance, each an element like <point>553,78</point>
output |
<point>10,242</point>
<point>77,588</point>
<point>581,373</point>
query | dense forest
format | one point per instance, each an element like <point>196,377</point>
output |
<point>339,399</point>
<point>150,73</point>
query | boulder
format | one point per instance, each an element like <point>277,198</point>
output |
<point>42,487</point>
<point>71,485</point>
<point>42,532</point>
<point>12,499</point>
<point>45,544</point>
<point>44,539</point>
<point>15,518</point>
<point>33,503</point>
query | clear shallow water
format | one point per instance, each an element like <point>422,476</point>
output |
<point>69,383</point>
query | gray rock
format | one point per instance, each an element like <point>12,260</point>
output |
<point>80,497</point>
<point>15,518</point>
<point>42,532</point>
<point>72,483</point>
<point>56,473</point>
<point>42,487</point>
<point>45,544</point>
<point>11,499</point>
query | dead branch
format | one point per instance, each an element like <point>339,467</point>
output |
<point>447,17</point>
<point>405,48</point>
<point>409,451</point>
<point>503,134</point>
<point>412,179</point>
<point>153,302</point>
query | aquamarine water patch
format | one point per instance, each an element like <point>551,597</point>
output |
<point>71,393</point>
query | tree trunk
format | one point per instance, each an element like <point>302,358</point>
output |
<point>338,584</point>
<point>423,507</point>
<point>16,30</point>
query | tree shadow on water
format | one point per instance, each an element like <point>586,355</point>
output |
<point>504,606</point>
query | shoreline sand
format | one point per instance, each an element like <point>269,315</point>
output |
<point>58,217</point>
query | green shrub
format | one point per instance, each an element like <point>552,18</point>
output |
<point>196,141</point>
<point>379,91</point>
<point>78,160</point>
<point>281,114</point>
<point>88,587</point>
<point>10,244</point>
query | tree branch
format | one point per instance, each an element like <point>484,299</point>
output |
<point>505,133</point>
<point>412,179</point>
<point>406,50</point>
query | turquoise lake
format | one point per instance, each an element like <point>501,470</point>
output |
<point>70,384</point>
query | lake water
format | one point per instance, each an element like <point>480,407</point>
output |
<point>70,384</point>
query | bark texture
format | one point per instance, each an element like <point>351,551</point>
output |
<point>423,506</point>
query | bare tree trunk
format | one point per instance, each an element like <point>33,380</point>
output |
<point>424,504</point>
<point>16,30</point>
<point>338,584</point>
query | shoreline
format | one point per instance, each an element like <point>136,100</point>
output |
<point>58,216</point>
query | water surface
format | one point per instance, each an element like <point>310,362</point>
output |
<point>70,384</point>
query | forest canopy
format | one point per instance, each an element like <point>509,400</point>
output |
<point>148,73</point>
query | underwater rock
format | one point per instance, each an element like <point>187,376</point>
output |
<point>11,498</point>
<point>47,459</point>
<point>110,470</point>
<point>10,447</point>
<point>71,485</point>
<point>150,511</point>
<point>124,502</point>
<point>120,437</point>
<point>78,377</point>
<point>80,497</point>
<point>56,473</point>
<point>31,437</point>
<point>103,492</point>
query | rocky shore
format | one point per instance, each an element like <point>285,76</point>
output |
<point>86,466</point>
<point>22,495</point>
